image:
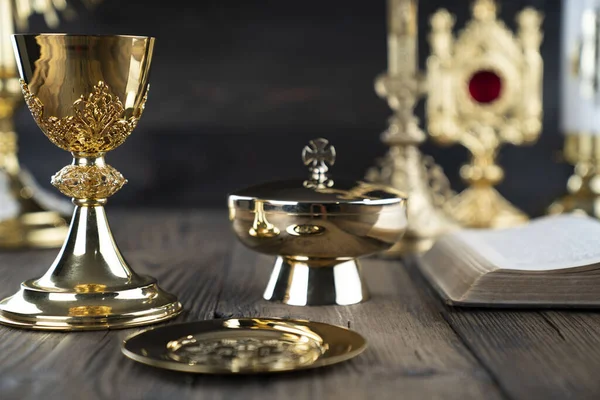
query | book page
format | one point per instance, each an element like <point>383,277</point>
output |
<point>548,243</point>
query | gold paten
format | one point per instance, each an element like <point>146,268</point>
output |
<point>244,346</point>
<point>405,167</point>
<point>583,151</point>
<point>485,45</point>
<point>29,217</point>
<point>87,93</point>
<point>317,228</point>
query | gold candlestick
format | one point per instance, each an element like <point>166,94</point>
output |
<point>484,90</point>
<point>87,94</point>
<point>404,167</point>
<point>582,151</point>
<point>580,108</point>
<point>29,217</point>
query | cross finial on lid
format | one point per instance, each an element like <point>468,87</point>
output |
<point>317,154</point>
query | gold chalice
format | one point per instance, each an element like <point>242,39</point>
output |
<point>87,94</point>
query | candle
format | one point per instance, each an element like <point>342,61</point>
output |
<point>580,67</point>
<point>402,37</point>
<point>7,57</point>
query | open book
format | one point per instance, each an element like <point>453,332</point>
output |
<point>552,262</point>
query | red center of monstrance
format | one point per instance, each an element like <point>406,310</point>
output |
<point>485,86</point>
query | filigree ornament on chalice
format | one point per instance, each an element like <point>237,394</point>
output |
<point>97,126</point>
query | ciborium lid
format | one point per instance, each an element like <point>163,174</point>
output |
<point>319,193</point>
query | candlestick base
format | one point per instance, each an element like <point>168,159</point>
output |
<point>29,218</point>
<point>583,186</point>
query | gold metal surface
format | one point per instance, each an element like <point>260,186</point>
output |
<point>317,228</point>
<point>583,151</point>
<point>405,167</point>
<point>454,115</point>
<point>29,216</point>
<point>244,346</point>
<point>86,93</point>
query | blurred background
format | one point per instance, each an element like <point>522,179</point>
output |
<point>239,87</point>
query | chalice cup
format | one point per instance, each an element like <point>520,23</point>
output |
<point>87,94</point>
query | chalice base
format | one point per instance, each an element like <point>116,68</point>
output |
<point>27,219</point>
<point>316,282</point>
<point>89,286</point>
<point>484,207</point>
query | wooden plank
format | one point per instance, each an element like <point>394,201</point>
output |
<point>89,365</point>
<point>532,354</point>
<point>412,354</point>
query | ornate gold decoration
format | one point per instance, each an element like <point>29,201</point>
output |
<point>484,89</point>
<point>90,285</point>
<point>404,167</point>
<point>245,353</point>
<point>96,126</point>
<point>88,181</point>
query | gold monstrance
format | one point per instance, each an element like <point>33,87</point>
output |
<point>404,167</point>
<point>485,89</point>
<point>28,216</point>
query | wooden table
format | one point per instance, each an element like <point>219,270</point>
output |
<point>418,348</point>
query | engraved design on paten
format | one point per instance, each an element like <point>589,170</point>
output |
<point>97,125</point>
<point>245,353</point>
<point>88,181</point>
<point>317,154</point>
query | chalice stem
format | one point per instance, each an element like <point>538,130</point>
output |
<point>89,285</point>
<point>90,259</point>
<point>89,255</point>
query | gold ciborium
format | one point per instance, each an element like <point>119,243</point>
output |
<point>86,93</point>
<point>318,228</point>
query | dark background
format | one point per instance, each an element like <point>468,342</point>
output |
<point>238,87</point>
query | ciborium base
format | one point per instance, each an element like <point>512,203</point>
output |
<point>27,219</point>
<point>485,207</point>
<point>89,286</point>
<point>316,282</point>
<point>577,203</point>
